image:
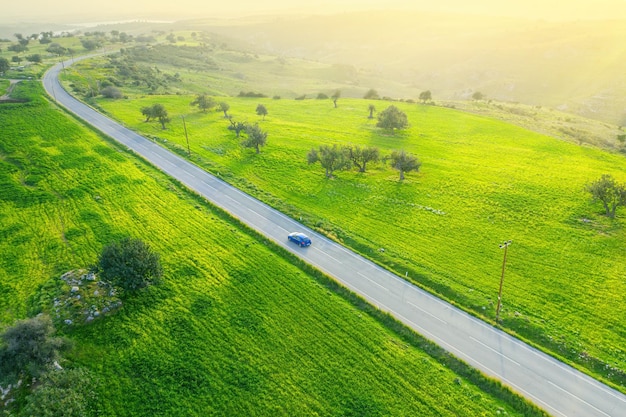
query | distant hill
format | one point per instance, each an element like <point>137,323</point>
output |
<point>574,66</point>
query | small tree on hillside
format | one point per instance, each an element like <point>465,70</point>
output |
<point>57,49</point>
<point>158,111</point>
<point>34,58</point>
<point>404,162</point>
<point>225,107</point>
<point>256,137</point>
<point>91,44</point>
<point>361,156</point>
<point>4,65</point>
<point>130,264</point>
<point>261,110</point>
<point>335,97</point>
<point>237,127</point>
<point>426,96</point>
<point>478,96</point>
<point>203,102</point>
<point>371,95</point>
<point>371,108</point>
<point>148,112</point>
<point>331,158</point>
<point>392,118</point>
<point>609,192</point>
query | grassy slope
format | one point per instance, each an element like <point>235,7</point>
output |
<point>234,330</point>
<point>493,181</point>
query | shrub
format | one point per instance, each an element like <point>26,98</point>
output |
<point>29,347</point>
<point>111,92</point>
<point>130,264</point>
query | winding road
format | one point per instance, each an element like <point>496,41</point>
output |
<point>555,387</point>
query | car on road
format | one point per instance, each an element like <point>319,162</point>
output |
<point>300,238</point>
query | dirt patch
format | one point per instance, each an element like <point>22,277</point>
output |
<point>7,97</point>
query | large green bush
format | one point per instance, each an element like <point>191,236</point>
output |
<point>130,264</point>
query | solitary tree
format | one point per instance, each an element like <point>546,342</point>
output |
<point>34,58</point>
<point>4,65</point>
<point>404,162</point>
<point>17,48</point>
<point>361,156</point>
<point>609,192</point>
<point>203,102</point>
<point>237,127</point>
<point>478,95</point>
<point>57,49</point>
<point>91,44</point>
<point>156,111</point>
<point>28,348</point>
<point>148,111</point>
<point>330,158</point>
<point>371,108</point>
<point>225,107</point>
<point>392,118</point>
<point>371,95</point>
<point>130,264</point>
<point>256,137</point>
<point>261,110</point>
<point>426,96</point>
<point>335,97</point>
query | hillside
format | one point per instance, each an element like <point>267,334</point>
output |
<point>575,66</point>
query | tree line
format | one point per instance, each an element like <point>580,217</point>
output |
<point>341,158</point>
<point>331,158</point>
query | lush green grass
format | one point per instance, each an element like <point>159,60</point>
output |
<point>4,86</point>
<point>564,286</point>
<point>236,328</point>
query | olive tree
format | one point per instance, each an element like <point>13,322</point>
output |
<point>29,348</point>
<point>392,118</point>
<point>371,94</point>
<point>426,96</point>
<point>611,193</point>
<point>371,108</point>
<point>261,110</point>
<point>203,102</point>
<point>4,65</point>
<point>224,107</point>
<point>237,127</point>
<point>335,97</point>
<point>156,111</point>
<point>404,162</point>
<point>129,264</point>
<point>256,137</point>
<point>331,158</point>
<point>360,156</point>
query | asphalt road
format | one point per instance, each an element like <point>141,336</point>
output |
<point>552,385</point>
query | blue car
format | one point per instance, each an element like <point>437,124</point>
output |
<point>300,238</point>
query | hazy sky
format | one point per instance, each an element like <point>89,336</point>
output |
<point>15,11</point>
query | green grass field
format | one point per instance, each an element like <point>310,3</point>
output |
<point>235,329</point>
<point>482,182</point>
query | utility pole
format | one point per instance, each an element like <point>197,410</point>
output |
<point>504,246</point>
<point>186,136</point>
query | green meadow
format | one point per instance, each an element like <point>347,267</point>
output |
<point>238,327</point>
<point>482,181</point>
